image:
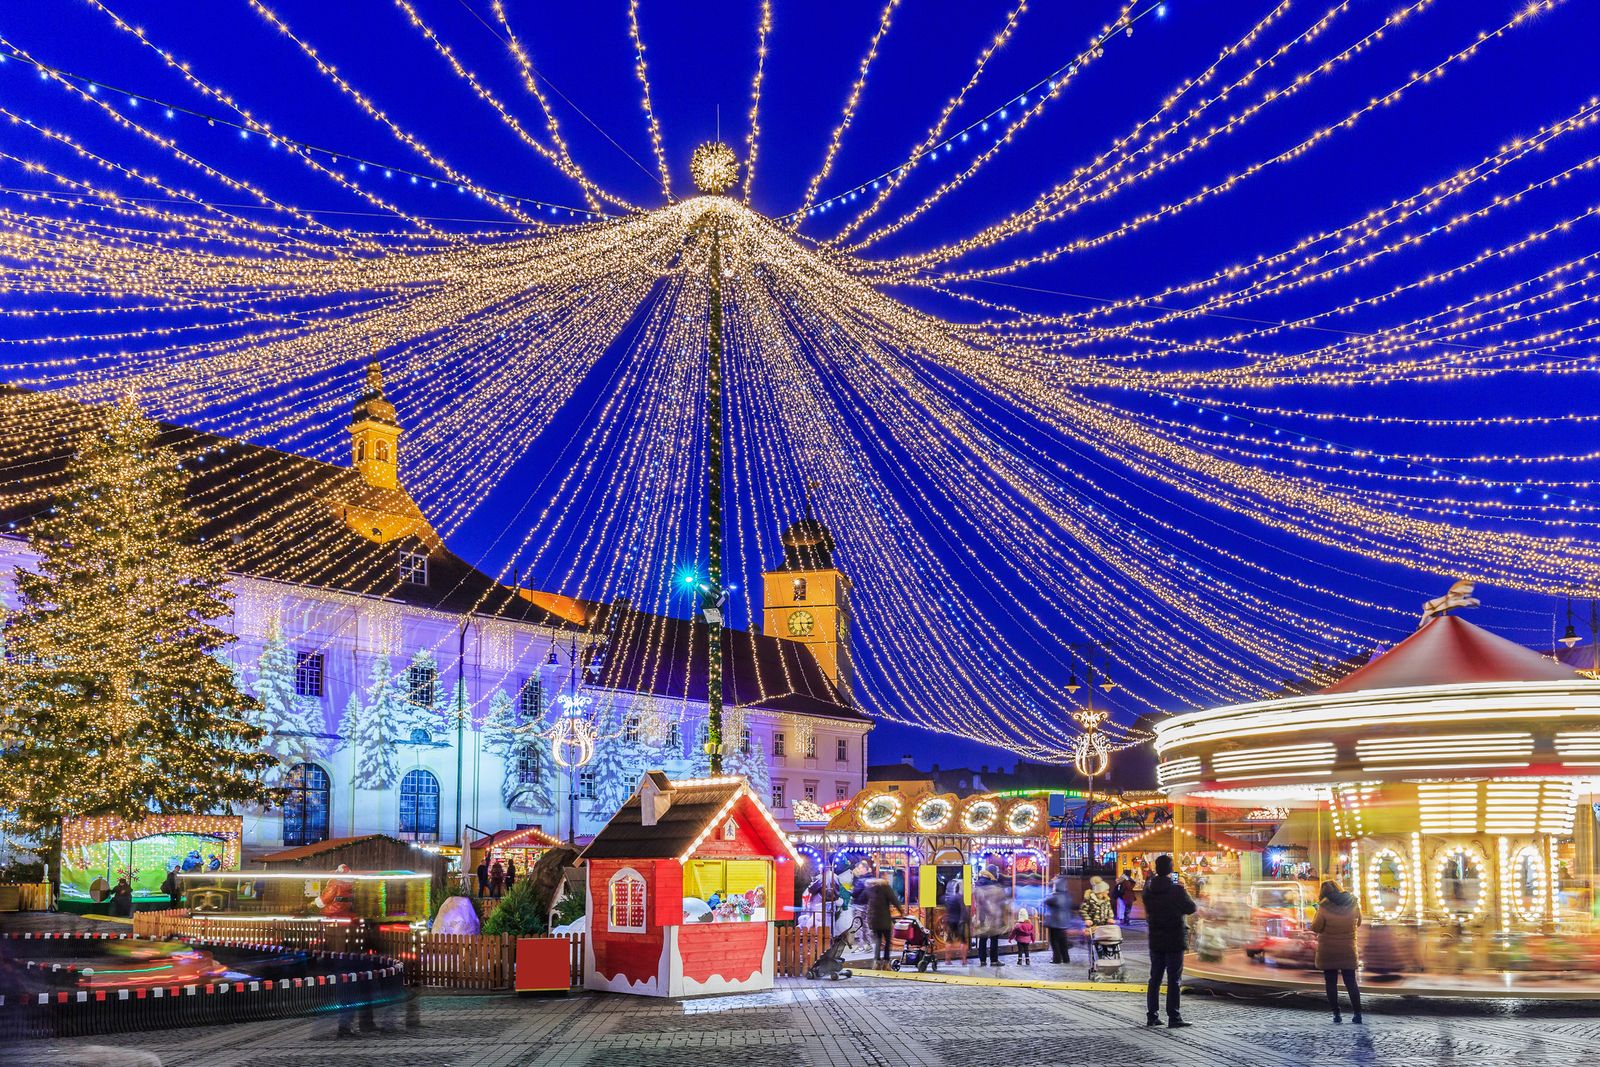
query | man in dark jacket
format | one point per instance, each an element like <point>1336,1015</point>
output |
<point>1057,914</point>
<point>1166,905</point>
<point>880,898</point>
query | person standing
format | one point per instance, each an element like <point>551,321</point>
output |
<point>497,880</point>
<point>1166,907</point>
<point>991,916</point>
<point>483,876</point>
<point>170,887</point>
<point>956,917</point>
<point>1022,935</point>
<point>511,873</point>
<point>1338,918</point>
<point>1127,893</point>
<point>1057,915</point>
<point>881,898</point>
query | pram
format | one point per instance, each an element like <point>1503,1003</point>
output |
<point>830,964</point>
<point>1105,954</point>
<point>918,948</point>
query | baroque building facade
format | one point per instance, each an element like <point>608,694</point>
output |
<point>405,692</point>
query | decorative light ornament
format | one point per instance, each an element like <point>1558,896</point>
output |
<point>1090,755</point>
<point>980,816</point>
<point>880,811</point>
<point>1022,817</point>
<point>714,168</point>
<point>1375,887</point>
<point>932,813</point>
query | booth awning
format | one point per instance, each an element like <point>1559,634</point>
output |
<point>527,837</point>
<point>1307,828</point>
<point>1170,839</point>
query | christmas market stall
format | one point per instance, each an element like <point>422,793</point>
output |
<point>522,847</point>
<point>373,877</point>
<point>922,841</point>
<point>684,884</point>
<point>99,853</point>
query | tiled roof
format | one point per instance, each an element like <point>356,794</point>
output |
<point>274,515</point>
<point>692,809</point>
<point>666,657</point>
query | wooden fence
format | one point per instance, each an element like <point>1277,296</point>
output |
<point>798,949</point>
<point>446,961</point>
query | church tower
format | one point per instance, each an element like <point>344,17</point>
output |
<point>375,435</point>
<point>807,599</point>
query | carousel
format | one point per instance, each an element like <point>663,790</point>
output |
<point>924,842</point>
<point>1448,784</point>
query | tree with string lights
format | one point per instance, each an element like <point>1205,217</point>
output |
<point>117,701</point>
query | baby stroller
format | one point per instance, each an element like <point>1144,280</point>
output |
<point>918,949</point>
<point>830,964</point>
<point>1105,954</point>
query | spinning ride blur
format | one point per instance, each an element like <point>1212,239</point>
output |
<point>1449,783</point>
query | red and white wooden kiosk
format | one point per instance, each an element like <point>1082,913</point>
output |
<point>684,884</point>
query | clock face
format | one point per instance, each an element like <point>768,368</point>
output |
<point>801,623</point>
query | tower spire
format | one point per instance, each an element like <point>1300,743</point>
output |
<point>375,434</point>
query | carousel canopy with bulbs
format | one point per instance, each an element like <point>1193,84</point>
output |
<point>1450,701</point>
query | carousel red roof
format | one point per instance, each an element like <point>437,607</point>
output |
<point>1450,651</point>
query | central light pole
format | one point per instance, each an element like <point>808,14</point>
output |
<point>711,598</point>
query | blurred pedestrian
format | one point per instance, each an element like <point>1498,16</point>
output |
<point>957,918</point>
<point>1166,907</point>
<point>1057,916</point>
<point>497,880</point>
<point>511,873</point>
<point>881,899</point>
<point>483,876</point>
<point>1127,894</point>
<point>991,916</point>
<point>1338,918</point>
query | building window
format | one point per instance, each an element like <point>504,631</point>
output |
<point>799,589</point>
<point>777,795</point>
<point>630,730</point>
<point>841,750</point>
<point>413,567</point>
<point>811,747</point>
<point>382,451</point>
<point>777,744</point>
<point>527,764</point>
<point>625,909</point>
<point>305,807</point>
<point>419,805</point>
<point>530,700</point>
<point>587,786</point>
<point>675,736</point>
<point>811,792</point>
<point>744,742</point>
<point>840,791</point>
<point>421,681</point>
<point>308,674</point>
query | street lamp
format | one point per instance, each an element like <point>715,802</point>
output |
<point>1091,756</point>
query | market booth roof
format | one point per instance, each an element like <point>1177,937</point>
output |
<point>1173,840</point>
<point>526,837</point>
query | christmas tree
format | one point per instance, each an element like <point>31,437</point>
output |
<point>292,724</point>
<point>618,762</point>
<point>370,726</point>
<point>534,792</point>
<point>117,700</point>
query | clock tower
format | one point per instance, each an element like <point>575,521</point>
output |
<point>807,599</point>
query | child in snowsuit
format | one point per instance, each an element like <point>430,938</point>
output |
<point>1022,934</point>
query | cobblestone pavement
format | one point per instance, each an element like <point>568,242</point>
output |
<point>864,1021</point>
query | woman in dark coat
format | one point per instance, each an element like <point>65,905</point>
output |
<point>1338,918</point>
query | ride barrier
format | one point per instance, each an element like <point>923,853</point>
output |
<point>45,997</point>
<point>798,948</point>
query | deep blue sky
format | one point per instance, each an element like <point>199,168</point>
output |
<point>701,57</point>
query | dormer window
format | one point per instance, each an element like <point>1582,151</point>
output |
<point>799,589</point>
<point>413,567</point>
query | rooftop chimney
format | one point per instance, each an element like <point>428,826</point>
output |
<point>655,797</point>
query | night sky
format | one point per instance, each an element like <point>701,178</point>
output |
<point>701,58</point>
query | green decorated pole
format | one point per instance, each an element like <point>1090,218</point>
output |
<point>712,595</point>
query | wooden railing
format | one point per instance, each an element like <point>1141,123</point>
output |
<point>798,949</point>
<point>445,961</point>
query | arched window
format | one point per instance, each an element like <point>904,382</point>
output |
<point>799,589</point>
<point>419,805</point>
<point>305,807</point>
<point>382,451</point>
<point>625,902</point>
<point>527,764</point>
<point>361,451</point>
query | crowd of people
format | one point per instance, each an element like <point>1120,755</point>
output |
<point>496,879</point>
<point>992,918</point>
